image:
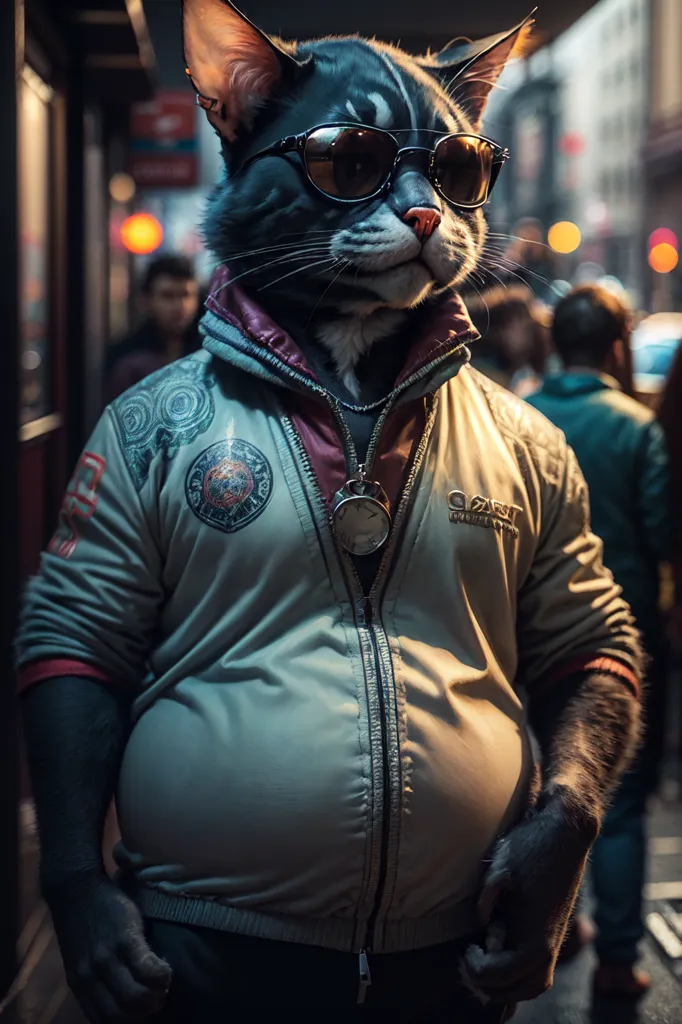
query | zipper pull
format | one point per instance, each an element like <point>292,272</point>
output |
<point>365,976</point>
<point>363,609</point>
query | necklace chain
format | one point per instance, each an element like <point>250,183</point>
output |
<point>364,408</point>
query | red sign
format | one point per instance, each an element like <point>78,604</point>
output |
<point>169,117</point>
<point>164,149</point>
<point>153,170</point>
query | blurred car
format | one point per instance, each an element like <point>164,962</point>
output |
<point>654,343</point>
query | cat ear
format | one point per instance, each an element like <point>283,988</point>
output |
<point>233,66</point>
<point>469,70</point>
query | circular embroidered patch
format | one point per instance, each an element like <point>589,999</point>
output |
<point>229,485</point>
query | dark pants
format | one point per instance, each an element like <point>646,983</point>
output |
<point>216,975</point>
<point>618,872</point>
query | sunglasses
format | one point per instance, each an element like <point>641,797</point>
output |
<point>354,163</point>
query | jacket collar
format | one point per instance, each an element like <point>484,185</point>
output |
<point>579,381</point>
<point>239,331</point>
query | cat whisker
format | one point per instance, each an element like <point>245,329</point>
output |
<point>498,252</point>
<point>326,270</point>
<point>293,246</point>
<point>487,307</point>
<point>345,265</point>
<point>289,258</point>
<point>517,238</point>
<point>499,280</point>
<point>286,258</point>
<point>298,270</point>
<point>300,234</point>
<point>490,267</point>
<point>503,263</point>
<point>271,248</point>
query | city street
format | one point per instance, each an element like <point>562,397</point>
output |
<point>341,391</point>
<point>569,1002</point>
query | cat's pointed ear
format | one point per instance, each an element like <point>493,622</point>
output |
<point>234,67</point>
<point>469,70</point>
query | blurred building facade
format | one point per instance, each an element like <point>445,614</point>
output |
<point>574,117</point>
<point>68,71</point>
<point>524,114</point>
<point>663,151</point>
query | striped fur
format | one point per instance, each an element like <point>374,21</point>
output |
<point>338,268</point>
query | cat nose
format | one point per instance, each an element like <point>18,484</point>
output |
<point>423,220</point>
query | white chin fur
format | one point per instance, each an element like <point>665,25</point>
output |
<point>349,337</point>
<point>402,287</point>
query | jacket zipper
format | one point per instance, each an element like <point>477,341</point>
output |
<point>365,978</point>
<point>364,614</point>
<point>366,618</point>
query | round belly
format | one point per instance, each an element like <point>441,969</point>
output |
<point>468,783</point>
<point>245,786</point>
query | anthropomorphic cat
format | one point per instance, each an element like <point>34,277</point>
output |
<point>311,586</point>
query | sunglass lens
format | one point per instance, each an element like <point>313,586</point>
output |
<point>463,168</point>
<point>349,163</point>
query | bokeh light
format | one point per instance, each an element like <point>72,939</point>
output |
<point>141,234</point>
<point>663,236</point>
<point>663,258</point>
<point>122,188</point>
<point>564,237</point>
<point>613,284</point>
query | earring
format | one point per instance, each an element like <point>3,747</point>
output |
<point>205,102</point>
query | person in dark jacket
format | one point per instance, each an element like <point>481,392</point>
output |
<point>622,452</point>
<point>670,418</point>
<point>170,301</point>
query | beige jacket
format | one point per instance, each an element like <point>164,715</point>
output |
<point>305,763</point>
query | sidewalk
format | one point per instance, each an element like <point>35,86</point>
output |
<point>569,1001</point>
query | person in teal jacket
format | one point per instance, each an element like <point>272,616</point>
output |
<point>621,450</point>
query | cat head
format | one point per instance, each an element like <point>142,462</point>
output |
<point>289,244</point>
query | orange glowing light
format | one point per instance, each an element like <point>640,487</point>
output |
<point>141,234</point>
<point>564,237</point>
<point>663,258</point>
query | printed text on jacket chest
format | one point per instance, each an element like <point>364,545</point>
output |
<point>485,512</point>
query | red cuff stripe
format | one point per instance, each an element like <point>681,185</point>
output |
<point>55,668</point>
<point>593,663</point>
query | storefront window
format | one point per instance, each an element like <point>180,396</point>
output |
<point>34,212</point>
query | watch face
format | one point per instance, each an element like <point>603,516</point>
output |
<point>361,525</point>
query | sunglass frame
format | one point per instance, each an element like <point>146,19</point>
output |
<point>297,144</point>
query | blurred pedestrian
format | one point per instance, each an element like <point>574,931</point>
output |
<point>670,417</point>
<point>170,303</point>
<point>514,344</point>
<point>622,452</point>
<point>529,259</point>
